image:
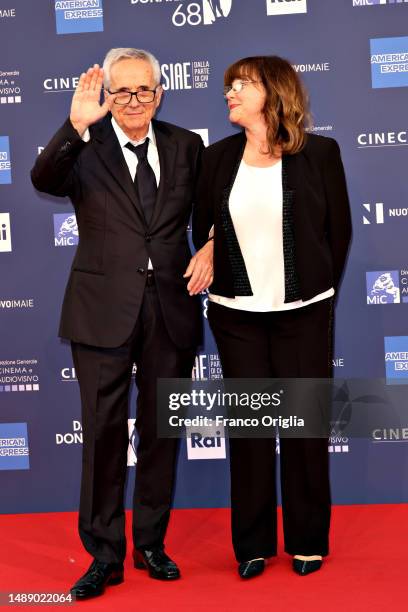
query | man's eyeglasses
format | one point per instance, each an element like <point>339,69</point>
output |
<point>144,96</point>
<point>237,85</point>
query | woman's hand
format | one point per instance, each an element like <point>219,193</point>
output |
<point>200,269</point>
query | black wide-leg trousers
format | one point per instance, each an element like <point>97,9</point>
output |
<point>104,377</point>
<point>289,344</point>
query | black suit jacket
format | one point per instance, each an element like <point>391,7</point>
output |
<point>108,276</point>
<point>315,187</point>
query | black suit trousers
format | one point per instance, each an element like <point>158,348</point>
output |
<point>289,344</point>
<point>104,376</point>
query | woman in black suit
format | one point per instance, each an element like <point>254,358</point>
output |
<point>272,214</point>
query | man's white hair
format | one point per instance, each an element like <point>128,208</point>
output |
<point>121,53</point>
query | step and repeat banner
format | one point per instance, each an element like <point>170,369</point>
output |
<point>353,58</point>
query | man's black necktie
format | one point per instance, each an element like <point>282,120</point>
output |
<point>145,180</point>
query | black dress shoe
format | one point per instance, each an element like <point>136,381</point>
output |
<point>306,567</point>
<point>250,569</point>
<point>157,563</point>
<point>99,575</point>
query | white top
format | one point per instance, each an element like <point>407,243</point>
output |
<point>256,205</point>
<point>131,158</point>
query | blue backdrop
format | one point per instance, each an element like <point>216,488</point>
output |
<point>353,57</point>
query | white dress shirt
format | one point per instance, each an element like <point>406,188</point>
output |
<point>131,158</point>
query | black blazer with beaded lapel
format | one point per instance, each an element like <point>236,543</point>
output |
<point>316,217</point>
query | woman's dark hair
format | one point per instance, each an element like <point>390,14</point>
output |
<point>286,109</point>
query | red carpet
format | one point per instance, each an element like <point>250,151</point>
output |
<point>367,570</point>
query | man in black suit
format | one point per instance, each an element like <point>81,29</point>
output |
<point>130,179</point>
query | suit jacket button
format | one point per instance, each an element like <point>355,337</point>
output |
<point>141,270</point>
<point>148,238</point>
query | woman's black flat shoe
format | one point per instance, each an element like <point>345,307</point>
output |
<point>250,569</point>
<point>306,567</point>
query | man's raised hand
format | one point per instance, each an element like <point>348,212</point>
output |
<point>86,108</point>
